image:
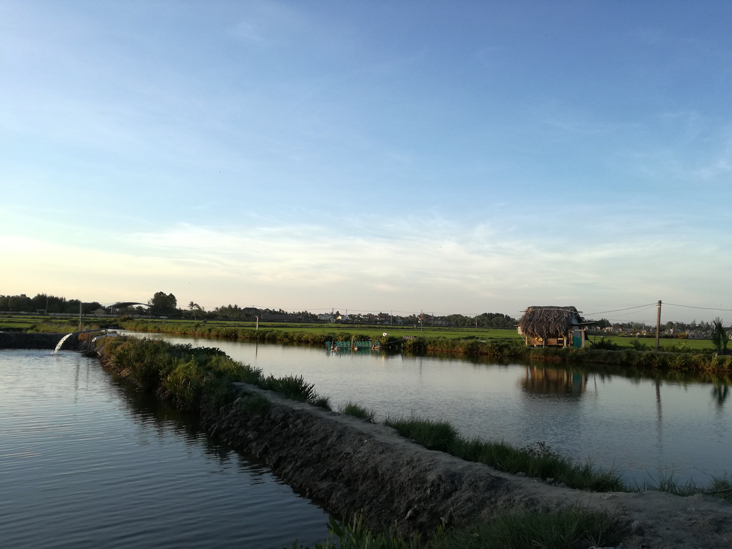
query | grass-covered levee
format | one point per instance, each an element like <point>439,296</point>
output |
<point>202,379</point>
<point>205,380</point>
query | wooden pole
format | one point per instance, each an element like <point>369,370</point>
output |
<point>658,324</point>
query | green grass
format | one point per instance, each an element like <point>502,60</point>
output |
<point>572,527</point>
<point>568,528</point>
<point>47,323</point>
<point>314,332</point>
<point>537,462</point>
<point>670,344</point>
<point>353,409</point>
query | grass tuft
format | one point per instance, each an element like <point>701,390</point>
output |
<point>293,387</point>
<point>321,402</point>
<point>434,435</point>
<point>353,409</point>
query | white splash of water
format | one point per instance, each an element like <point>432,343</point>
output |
<point>58,347</point>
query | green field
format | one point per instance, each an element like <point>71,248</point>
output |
<point>664,343</point>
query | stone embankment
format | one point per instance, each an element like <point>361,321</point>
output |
<point>351,466</point>
<point>28,340</point>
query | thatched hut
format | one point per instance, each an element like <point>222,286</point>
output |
<point>553,326</point>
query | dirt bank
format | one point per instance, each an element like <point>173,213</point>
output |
<point>25,340</point>
<point>350,465</point>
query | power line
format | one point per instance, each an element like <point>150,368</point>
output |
<point>626,309</point>
<point>692,307</point>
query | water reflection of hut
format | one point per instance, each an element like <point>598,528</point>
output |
<point>551,381</point>
<point>553,326</point>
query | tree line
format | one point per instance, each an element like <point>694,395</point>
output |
<point>46,303</point>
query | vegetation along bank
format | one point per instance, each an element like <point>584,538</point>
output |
<point>357,468</point>
<point>498,346</point>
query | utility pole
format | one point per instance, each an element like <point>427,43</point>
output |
<point>80,304</point>
<point>658,324</point>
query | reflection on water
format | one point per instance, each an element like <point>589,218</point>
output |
<point>550,381</point>
<point>720,392</point>
<point>85,462</point>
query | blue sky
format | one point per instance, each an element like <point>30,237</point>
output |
<point>446,157</point>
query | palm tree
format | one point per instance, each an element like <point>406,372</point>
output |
<point>194,307</point>
<point>719,335</point>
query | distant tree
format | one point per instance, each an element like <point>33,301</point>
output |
<point>163,304</point>
<point>20,302</point>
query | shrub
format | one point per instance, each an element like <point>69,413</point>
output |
<point>606,345</point>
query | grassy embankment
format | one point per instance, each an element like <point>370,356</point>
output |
<point>199,377</point>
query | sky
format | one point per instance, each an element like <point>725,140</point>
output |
<point>445,157</point>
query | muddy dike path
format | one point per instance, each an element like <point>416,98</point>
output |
<point>352,466</point>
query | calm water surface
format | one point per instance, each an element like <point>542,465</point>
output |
<point>87,462</point>
<point>641,427</point>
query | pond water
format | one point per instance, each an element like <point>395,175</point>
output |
<point>642,427</point>
<point>88,462</point>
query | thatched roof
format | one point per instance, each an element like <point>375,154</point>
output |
<point>549,322</point>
